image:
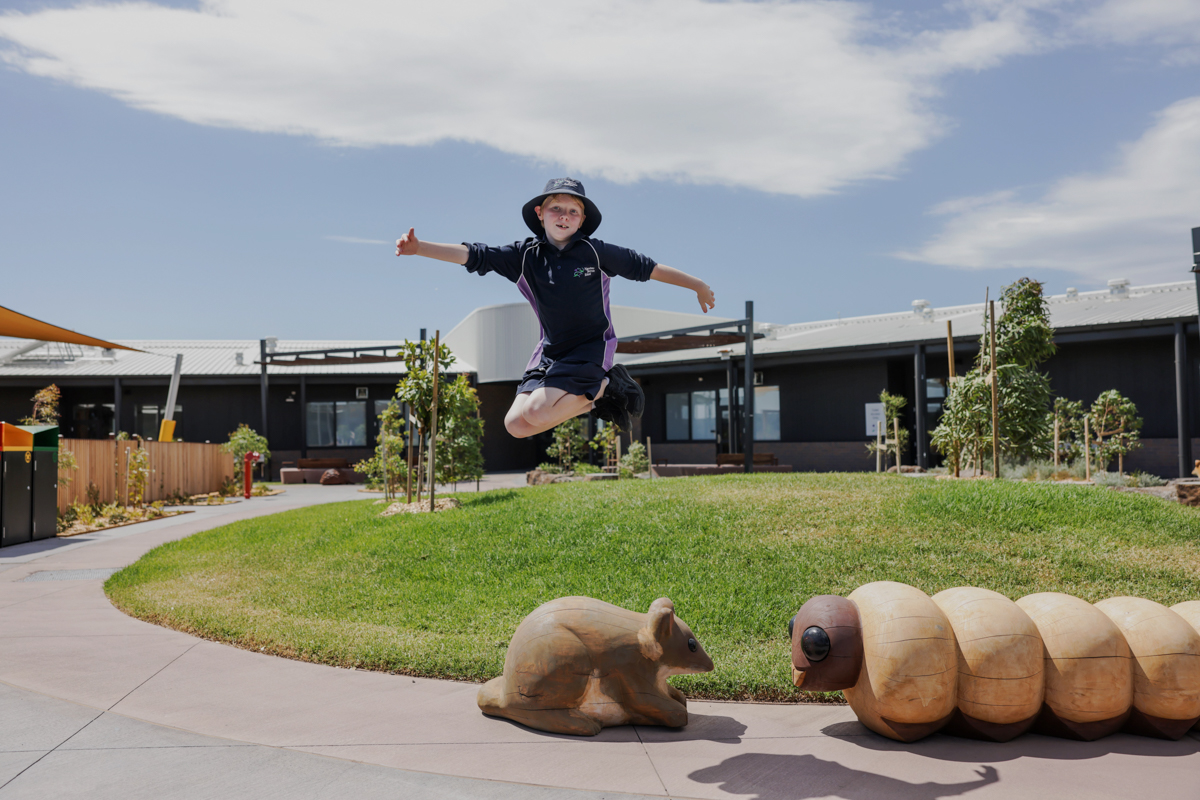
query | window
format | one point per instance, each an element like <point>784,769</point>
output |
<point>92,420</point>
<point>696,416</point>
<point>149,418</point>
<point>678,412</point>
<point>351,416</point>
<point>766,413</point>
<point>342,423</point>
<point>320,424</point>
<point>935,395</point>
<point>704,415</point>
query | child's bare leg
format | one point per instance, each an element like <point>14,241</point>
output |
<point>514,422</point>
<point>544,408</point>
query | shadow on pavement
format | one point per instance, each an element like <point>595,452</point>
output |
<point>765,776</point>
<point>1030,745</point>
<point>700,727</point>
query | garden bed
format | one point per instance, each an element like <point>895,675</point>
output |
<point>440,595</point>
<point>132,516</point>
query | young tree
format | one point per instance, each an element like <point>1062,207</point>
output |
<point>1024,339</point>
<point>1069,416</point>
<point>460,433</point>
<point>1115,428</point>
<point>605,442</point>
<point>392,472</point>
<point>458,425</point>
<point>45,407</point>
<point>245,440</point>
<point>893,408</point>
<point>569,443</point>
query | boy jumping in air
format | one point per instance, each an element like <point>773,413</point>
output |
<point>564,274</point>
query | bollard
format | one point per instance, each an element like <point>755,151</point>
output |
<point>248,462</point>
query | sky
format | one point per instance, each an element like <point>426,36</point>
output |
<point>241,168</point>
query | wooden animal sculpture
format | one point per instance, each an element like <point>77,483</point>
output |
<point>974,663</point>
<point>576,665</point>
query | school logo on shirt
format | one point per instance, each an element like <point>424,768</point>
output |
<point>585,272</point>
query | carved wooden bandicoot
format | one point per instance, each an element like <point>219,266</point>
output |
<point>975,663</point>
<point>576,665</point>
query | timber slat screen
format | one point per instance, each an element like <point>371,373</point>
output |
<point>187,467</point>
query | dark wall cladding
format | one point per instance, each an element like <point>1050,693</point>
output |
<point>822,421</point>
<point>825,402</point>
<point>1141,369</point>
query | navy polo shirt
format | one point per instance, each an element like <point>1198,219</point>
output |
<point>568,290</point>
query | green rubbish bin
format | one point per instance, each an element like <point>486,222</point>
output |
<point>45,480</point>
<point>16,485</point>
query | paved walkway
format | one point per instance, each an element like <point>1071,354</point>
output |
<point>96,704</point>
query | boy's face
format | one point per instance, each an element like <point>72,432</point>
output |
<point>561,216</point>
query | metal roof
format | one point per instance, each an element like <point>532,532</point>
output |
<point>200,358</point>
<point>496,341</point>
<point>1121,304</point>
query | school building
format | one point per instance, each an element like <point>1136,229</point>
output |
<point>812,381</point>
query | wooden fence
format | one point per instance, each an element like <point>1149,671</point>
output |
<point>185,467</point>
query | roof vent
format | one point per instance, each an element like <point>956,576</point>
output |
<point>271,342</point>
<point>1072,293</point>
<point>1118,288</point>
<point>922,308</point>
<point>240,358</point>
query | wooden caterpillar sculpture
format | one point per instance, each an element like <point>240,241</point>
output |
<point>972,662</point>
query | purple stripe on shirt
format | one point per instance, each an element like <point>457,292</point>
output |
<point>525,289</point>
<point>610,334</point>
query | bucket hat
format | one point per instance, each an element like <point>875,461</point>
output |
<point>570,186</point>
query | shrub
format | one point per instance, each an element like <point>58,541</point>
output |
<point>569,443</point>
<point>635,460</point>
<point>1116,428</point>
<point>245,440</point>
<point>893,407</point>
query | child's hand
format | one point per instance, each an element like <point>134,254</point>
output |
<point>706,297</point>
<point>408,244</point>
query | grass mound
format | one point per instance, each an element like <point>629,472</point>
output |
<point>440,595</point>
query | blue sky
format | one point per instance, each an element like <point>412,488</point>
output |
<point>239,168</point>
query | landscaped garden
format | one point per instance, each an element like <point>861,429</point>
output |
<point>440,594</point>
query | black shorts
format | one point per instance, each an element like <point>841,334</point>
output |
<point>575,376</point>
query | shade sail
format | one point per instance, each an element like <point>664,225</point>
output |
<point>20,326</point>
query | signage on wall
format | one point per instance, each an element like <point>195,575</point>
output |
<point>360,393</point>
<point>875,418</point>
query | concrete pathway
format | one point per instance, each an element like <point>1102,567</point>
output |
<point>94,703</point>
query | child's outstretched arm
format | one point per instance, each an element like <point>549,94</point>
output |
<point>410,245</point>
<point>677,277</point>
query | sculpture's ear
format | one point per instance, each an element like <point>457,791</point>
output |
<point>660,622</point>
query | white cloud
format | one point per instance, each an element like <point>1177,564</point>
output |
<point>796,97</point>
<point>1131,221</point>
<point>1174,24</point>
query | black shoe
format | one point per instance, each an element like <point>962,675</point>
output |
<point>611,408</point>
<point>628,389</point>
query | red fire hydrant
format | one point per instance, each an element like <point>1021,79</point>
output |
<point>248,463</point>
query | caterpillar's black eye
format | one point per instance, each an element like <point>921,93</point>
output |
<point>815,643</point>
<point>791,627</point>
<point>692,645</point>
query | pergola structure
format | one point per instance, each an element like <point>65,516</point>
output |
<point>690,338</point>
<point>337,356</point>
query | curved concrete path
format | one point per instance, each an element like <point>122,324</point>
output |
<point>96,704</point>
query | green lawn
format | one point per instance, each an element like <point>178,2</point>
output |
<point>440,595</point>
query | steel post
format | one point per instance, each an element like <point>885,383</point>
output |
<point>1182,405</point>
<point>748,400</point>
<point>919,446</point>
